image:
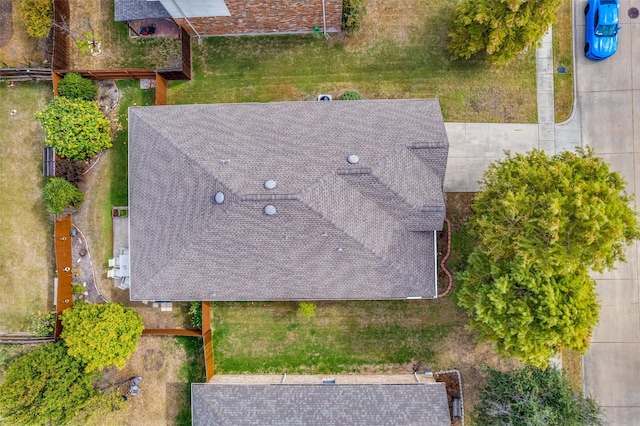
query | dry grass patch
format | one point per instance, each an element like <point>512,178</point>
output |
<point>118,50</point>
<point>572,366</point>
<point>21,50</point>
<point>158,360</point>
<point>563,57</point>
<point>26,244</point>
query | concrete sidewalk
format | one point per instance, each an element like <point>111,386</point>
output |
<point>472,146</point>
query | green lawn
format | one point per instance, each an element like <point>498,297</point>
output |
<point>341,336</point>
<point>412,63</point>
<point>26,232</point>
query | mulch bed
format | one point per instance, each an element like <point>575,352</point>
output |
<point>6,17</point>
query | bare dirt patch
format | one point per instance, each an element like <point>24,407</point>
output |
<point>6,17</point>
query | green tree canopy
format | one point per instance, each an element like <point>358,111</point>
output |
<point>45,386</point>
<point>535,397</point>
<point>560,214</point>
<point>59,194</point>
<point>541,224</point>
<point>101,335</point>
<point>75,128</point>
<point>37,16</point>
<point>499,28</point>
<point>74,86</point>
<point>527,315</point>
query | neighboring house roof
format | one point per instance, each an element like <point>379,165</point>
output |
<point>131,10</point>
<point>341,231</point>
<point>282,405</point>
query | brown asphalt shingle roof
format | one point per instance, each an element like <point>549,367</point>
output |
<point>341,231</point>
<point>309,405</point>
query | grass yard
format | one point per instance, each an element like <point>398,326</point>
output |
<point>399,54</point>
<point>26,231</point>
<point>563,57</point>
<point>118,50</point>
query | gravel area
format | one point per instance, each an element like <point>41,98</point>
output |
<point>83,271</point>
<point>6,17</point>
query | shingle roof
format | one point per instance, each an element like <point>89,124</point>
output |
<point>342,231</point>
<point>284,405</point>
<point>131,10</point>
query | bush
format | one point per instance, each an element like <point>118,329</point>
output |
<point>353,12</point>
<point>60,194</point>
<point>195,312</point>
<point>74,86</point>
<point>77,289</point>
<point>307,309</point>
<point>42,324</point>
<point>75,128</point>
<point>101,335</point>
<point>70,170</point>
<point>351,95</point>
<point>37,16</point>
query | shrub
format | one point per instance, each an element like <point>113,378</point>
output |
<point>307,309</point>
<point>60,194</point>
<point>101,335</point>
<point>74,86</point>
<point>75,128</point>
<point>352,14</point>
<point>42,324</point>
<point>37,16</point>
<point>70,170</point>
<point>195,312</point>
<point>77,289</point>
<point>351,95</point>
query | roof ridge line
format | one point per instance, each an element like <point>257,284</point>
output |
<point>268,197</point>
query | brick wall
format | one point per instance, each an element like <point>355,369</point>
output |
<point>269,17</point>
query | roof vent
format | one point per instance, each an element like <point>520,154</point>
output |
<point>270,210</point>
<point>340,250</point>
<point>353,159</point>
<point>270,184</point>
<point>219,198</point>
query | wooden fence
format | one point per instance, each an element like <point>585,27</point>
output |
<point>25,74</point>
<point>124,74</point>
<point>61,17</point>
<point>64,263</point>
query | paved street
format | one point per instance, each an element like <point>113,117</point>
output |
<point>609,104</point>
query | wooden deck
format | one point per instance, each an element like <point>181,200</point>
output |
<point>64,263</point>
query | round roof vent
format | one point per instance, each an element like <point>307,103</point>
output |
<point>270,184</point>
<point>219,198</point>
<point>270,210</point>
<point>353,159</point>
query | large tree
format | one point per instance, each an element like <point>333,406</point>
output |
<point>101,335</point>
<point>499,28</point>
<point>532,396</point>
<point>45,386</point>
<point>527,315</point>
<point>541,224</point>
<point>75,128</point>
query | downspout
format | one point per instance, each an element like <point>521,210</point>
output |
<point>435,261</point>
<point>324,21</point>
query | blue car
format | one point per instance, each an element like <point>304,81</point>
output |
<point>602,29</point>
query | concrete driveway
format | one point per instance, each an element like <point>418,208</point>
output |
<point>608,102</point>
